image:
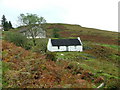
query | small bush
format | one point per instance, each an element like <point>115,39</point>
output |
<point>41,46</point>
<point>51,56</point>
<point>75,67</point>
<point>55,33</point>
<point>16,38</point>
<point>28,45</point>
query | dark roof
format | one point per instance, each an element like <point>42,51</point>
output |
<point>65,42</point>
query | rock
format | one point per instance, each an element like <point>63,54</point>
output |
<point>62,54</point>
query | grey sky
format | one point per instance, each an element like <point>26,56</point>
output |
<point>101,14</point>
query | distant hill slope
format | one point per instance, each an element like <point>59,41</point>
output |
<point>86,34</point>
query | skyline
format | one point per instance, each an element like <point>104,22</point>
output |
<point>100,14</point>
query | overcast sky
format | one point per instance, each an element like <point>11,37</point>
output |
<point>101,14</point>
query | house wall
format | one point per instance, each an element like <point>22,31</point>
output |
<point>63,48</point>
<point>80,41</point>
<point>49,45</point>
<point>55,48</point>
<point>74,48</point>
<point>79,48</point>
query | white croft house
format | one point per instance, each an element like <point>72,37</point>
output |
<point>65,45</point>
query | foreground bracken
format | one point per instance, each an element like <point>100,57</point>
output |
<point>25,69</point>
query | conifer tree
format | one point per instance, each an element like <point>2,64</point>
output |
<point>6,25</point>
<point>10,25</point>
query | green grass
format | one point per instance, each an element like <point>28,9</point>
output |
<point>106,67</point>
<point>116,47</point>
<point>95,65</point>
<point>5,68</point>
<point>74,55</point>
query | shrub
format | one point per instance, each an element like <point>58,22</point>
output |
<point>28,45</point>
<point>16,38</point>
<point>55,33</point>
<point>75,67</point>
<point>51,56</point>
<point>41,46</point>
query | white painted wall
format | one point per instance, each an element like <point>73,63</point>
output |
<point>55,48</point>
<point>79,48</point>
<point>80,41</point>
<point>63,48</point>
<point>74,48</point>
<point>49,45</point>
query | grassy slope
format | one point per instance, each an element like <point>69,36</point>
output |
<point>86,34</point>
<point>101,50</point>
<point>100,56</point>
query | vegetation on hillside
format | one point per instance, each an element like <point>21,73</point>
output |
<point>86,34</point>
<point>30,20</point>
<point>25,69</point>
<point>39,68</point>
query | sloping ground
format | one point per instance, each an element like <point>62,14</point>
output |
<point>86,34</point>
<point>100,59</point>
<point>25,69</point>
<point>99,62</point>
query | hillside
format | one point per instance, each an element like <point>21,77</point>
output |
<point>98,63</point>
<point>25,69</point>
<point>86,34</point>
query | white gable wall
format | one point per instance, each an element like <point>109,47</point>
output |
<point>80,41</point>
<point>49,45</point>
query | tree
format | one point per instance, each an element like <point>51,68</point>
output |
<point>10,25</point>
<point>31,19</point>
<point>34,24</point>
<point>6,25</point>
<point>55,33</point>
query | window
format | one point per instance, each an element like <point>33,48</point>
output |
<point>58,47</point>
